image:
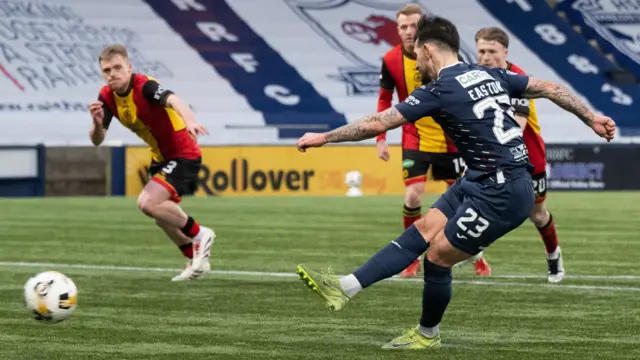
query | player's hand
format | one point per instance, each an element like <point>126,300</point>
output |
<point>310,140</point>
<point>97,113</point>
<point>383,149</point>
<point>196,130</point>
<point>604,126</point>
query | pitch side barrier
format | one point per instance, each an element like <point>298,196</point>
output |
<point>36,170</point>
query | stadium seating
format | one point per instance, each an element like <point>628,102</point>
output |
<point>614,25</point>
<point>265,72</point>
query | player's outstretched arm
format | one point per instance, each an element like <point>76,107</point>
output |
<point>366,128</point>
<point>561,96</point>
<point>174,102</point>
<point>194,129</point>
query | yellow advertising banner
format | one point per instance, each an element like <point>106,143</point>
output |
<point>282,170</point>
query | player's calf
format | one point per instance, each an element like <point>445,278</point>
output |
<point>543,221</point>
<point>540,216</point>
<point>393,258</point>
<point>412,212</point>
<point>176,235</point>
<point>413,195</point>
<point>410,216</point>
<point>436,295</point>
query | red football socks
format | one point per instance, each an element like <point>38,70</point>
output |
<point>187,250</point>
<point>191,228</point>
<point>549,236</point>
<point>410,215</point>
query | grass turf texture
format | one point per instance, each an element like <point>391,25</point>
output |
<point>141,314</point>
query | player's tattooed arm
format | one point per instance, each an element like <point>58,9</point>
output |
<point>561,96</point>
<point>368,127</point>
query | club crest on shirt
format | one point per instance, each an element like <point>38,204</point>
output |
<point>126,115</point>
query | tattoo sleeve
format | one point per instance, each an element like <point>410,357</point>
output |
<point>561,96</point>
<point>368,127</point>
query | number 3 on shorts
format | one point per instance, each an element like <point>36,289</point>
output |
<point>169,167</point>
<point>480,227</point>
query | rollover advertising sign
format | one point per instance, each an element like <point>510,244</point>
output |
<point>283,171</point>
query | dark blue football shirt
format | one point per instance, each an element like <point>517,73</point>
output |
<point>472,104</point>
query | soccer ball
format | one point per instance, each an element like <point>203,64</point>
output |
<point>353,179</point>
<point>50,296</point>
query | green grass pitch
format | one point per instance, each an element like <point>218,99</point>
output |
<point>129,308</point>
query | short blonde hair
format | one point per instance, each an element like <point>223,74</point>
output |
<point>409,9</point>
<point>113,50</point>
<point>493,34</point>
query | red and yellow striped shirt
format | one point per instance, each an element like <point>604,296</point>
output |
<point>142,110</point>
<point>399,73</point>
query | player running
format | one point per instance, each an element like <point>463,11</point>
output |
<point>472,103</point>
<point>424,143</point>
<point>493,47</point>
<point>168,126</point>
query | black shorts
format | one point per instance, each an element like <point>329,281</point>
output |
<point>444,166</point>
<point>178,176</point>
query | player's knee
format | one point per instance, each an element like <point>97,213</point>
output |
<point>412,197</point>
<point>443,253</point>
<point>436,254</point>
<point>147,207</point>
<point>539,215</point>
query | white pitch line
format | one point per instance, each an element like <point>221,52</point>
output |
<point>395,278</point>
<point>552,286</point>
<point>591,277</point>
<point>280,274</point>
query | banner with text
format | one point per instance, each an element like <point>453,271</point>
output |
<point>239,63</point>
<point>281,171</point>
<point>593,167</point>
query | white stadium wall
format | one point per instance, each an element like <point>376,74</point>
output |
<point>254,71</point>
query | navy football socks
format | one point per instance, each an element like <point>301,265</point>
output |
<point>436,294</point>
<point>393,258</point>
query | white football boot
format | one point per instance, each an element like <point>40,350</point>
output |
<point>555,272</point>
<point>201,253</point>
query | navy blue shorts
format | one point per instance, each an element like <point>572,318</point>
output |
<point>481,212</point>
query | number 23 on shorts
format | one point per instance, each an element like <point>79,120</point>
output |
<point>472,224</point>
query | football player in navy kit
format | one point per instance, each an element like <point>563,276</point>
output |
<point>472,104</point>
